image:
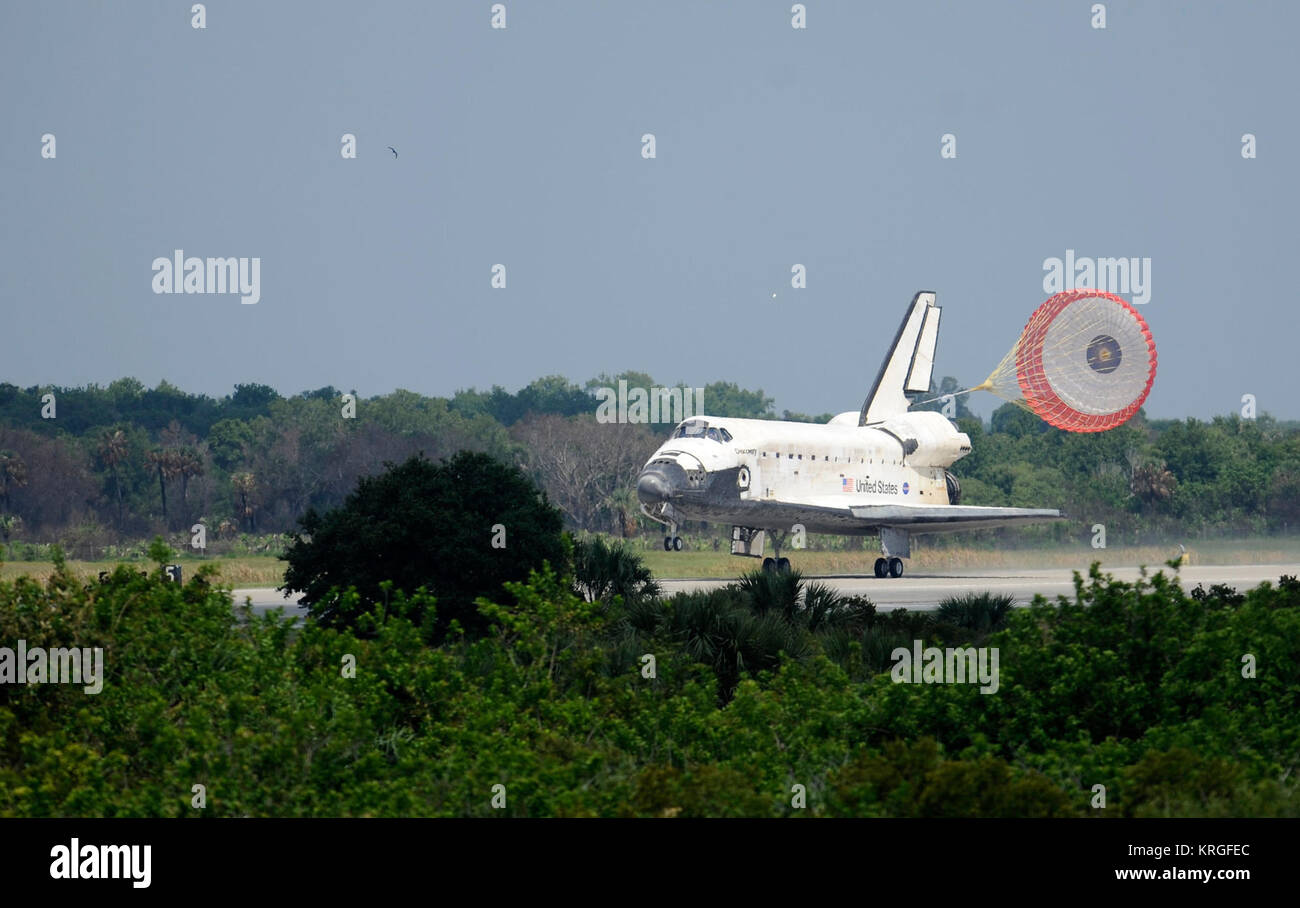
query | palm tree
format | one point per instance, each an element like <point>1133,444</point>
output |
<point>191,464</point>
<point>721,629</point>
<point>603,571</point>
<point>745,626</point>
<point>1152,482</point>
<point>9,523</point>
<point>245,485</point>
<point>625,506</point>
<point>13,474</point>
<point>813,607</point>
<point>162,461</point>
<point>112,451</point>
<point>980,613</point>
<point>172,436</point>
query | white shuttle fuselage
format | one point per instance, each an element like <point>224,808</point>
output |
<point>879,471</point>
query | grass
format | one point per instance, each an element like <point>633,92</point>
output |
<point>965,558</point>
<point>243,571</point>
<point>263,570</point>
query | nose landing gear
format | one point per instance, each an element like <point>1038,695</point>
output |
<point>672,542</point>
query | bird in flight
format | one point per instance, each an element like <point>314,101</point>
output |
<point>393,150</point>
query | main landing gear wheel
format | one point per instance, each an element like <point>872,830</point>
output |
<point>769,565</point>
<point>672,543</point>
<point>668,543</point>
<point>783,565</point>
<point>677,543</point>
<point>881,567</point>
<point>895,567</point>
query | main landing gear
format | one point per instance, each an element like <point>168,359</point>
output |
<point>776,565</point>
<point>889,567</point>
<point>893,544</point>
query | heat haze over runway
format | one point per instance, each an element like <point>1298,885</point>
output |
<point>926,590</point>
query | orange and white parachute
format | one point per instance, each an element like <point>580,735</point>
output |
<point>1084,363</point>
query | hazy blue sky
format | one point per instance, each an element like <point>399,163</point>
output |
<point>775,146</point>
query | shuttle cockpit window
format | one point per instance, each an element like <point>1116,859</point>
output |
<point>698,428</point>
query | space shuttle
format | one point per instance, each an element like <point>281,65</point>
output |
<point>880,471</point>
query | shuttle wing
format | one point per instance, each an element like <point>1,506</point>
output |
<point>824,517</point>
<point>950,517</point>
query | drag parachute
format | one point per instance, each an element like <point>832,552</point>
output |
<point>1084,363</point>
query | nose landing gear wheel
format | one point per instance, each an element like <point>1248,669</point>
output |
<point>769,565</point>
<point>895,567</point>
<point>881,566</point>
<point>783,565</point>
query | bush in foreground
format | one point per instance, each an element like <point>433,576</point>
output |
<point>458,530</point>
<point>1138,687</point>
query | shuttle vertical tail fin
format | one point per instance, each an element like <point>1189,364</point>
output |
<point>910,362</point>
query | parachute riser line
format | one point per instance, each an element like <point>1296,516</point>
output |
<point>945,395</point>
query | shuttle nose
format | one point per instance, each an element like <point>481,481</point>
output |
<point>661,482</point>
<point>652,487</point>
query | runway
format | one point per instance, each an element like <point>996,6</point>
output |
<point>926,590</point>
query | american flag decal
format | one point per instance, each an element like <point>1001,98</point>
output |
<point>846,484</point>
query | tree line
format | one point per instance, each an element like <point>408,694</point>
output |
<point>126,462</point>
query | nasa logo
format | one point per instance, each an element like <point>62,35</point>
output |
<point>904,488</point>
